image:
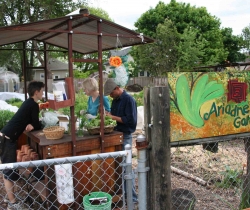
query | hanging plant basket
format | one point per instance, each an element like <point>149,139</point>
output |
<point>115,61</point>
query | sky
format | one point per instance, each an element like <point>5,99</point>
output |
<point>234,14</point>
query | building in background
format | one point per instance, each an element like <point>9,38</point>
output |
<point>58,69</point>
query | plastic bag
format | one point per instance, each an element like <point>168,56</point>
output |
<point>90,116</point>
<point>49,119</point>
<point>82,112</point>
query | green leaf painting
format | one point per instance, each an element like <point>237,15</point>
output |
<point>190,100</point>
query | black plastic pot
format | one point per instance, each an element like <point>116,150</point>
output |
<point>183,199</point>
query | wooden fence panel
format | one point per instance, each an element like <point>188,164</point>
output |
<point>148,81</point>
<point>142,81</point>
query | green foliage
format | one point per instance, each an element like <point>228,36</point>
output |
<point>132,69</point>
<point>6,115</point>
<point>161,56</point>
<point>246,39</point>
<point>233,44</point>
<point>83,122</point>
<point>96,122</point>
<point>190,50</point>
<point>99,12</point>
<point>80,74</point>
<point>231,178</point>
<point>200,34</point>
<point>245,200</point>
<point>14,102</point>
<point>80,104</point>
<point>139,98</point>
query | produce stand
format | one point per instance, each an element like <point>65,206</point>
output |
<point>88,144</point>
<point>82,33</point>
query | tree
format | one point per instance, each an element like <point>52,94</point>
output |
<point>190,50</point>
<point>19,12</point>
<point>246,38</point>
<point>184,17</point>
<point>233,44</point>
<point>162,52</point>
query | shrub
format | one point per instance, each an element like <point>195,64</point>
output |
<point>15,102</point>
<point>231,178</point>
<point>139,98</point>
<point>6,115</point>
<point>80,104</point>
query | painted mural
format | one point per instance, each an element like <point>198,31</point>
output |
<point>208,104</point>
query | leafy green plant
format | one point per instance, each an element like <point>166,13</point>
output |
<point>83,121</point>
<point>81,103</point>
<point>231,178</point>
<point>96,122</point>
<point>245,200</point>
<point>80,74</point>
<point>139,98</point>
<point>14,102</point>
<point>6,115</point>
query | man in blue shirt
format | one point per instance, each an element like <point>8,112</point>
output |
<point>124,111</point>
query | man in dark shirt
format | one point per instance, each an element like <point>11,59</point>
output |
<point>25,119</point>
<point>124,111</point>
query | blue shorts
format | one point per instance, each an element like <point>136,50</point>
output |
<point>9,156</point>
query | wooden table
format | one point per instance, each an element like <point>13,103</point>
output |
<point>63,147</point>
<point>87,175</point>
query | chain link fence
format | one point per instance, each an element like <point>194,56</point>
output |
<point>211,176</point>
<point>80,182</point>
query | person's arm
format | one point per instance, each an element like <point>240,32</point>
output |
<point>130,112</point>
<point>106,103</point>
<point>118,119</point>
<point>35,123</point>
<point>29,127</point>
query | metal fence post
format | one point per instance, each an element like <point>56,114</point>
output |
<point>129,176</point>
<point>141,145</point>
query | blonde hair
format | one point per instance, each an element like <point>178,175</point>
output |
<point>90,84</point>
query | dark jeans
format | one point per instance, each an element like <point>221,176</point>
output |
<point>127,139</point>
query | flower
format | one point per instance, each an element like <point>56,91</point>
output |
<point>44,105</point>
<point>115,61</point>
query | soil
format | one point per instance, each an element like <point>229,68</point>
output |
<point>209,167</point>
<point>134,88</point>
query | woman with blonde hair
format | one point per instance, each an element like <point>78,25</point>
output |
<point>91,89</point>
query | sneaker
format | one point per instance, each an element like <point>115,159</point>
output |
<point>16,206</point>
<point>6,199</point>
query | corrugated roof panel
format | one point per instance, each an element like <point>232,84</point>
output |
<point>55,32</point>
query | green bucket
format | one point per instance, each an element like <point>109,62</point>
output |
<point>97,201</point>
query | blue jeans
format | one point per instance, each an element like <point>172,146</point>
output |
<point>127,139</point>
